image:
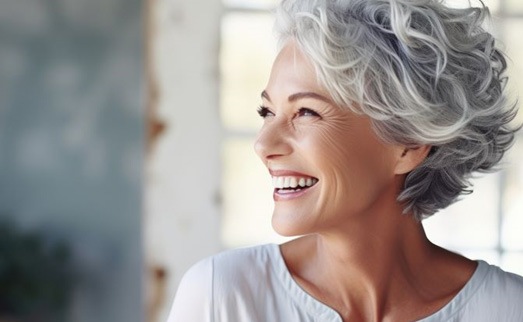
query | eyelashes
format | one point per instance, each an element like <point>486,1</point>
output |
<point>264,112</point>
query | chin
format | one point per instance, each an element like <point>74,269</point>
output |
<point>288,225</point>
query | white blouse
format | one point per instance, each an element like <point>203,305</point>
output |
<point>253,284</point>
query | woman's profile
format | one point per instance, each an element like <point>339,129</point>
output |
<point>376,114</point>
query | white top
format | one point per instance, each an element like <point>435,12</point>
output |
<point>253,284</point>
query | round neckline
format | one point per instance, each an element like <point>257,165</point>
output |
<point>319,309</point>
<point>302,298</point>
<point>462,297</point>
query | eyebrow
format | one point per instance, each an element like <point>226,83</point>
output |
<point>300,95</point>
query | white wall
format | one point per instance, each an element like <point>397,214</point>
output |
<point>182,221</point>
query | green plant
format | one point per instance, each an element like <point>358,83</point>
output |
<point>35,275</point>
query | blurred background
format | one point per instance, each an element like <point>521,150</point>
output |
<point>126,131</point>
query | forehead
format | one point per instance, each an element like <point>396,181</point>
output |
<point>293,71</point>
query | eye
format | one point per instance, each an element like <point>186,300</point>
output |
<point>264,112</point>
<point>307,112</point>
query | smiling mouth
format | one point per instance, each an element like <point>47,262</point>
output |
<point>290,184</point>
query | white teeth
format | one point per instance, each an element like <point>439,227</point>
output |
<point>292,182</point>
<point>309,182</point>
<point>278,182</point>
<point>301,183</point>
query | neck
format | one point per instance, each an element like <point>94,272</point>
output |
<point>370,268</point>
<point>374,247</point>
<point>377,253</point>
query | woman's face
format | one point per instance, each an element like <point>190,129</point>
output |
<point>328,166</point>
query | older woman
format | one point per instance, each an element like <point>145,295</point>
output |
<point>376,113</point>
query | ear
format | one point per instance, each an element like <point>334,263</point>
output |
<point>410,157</point>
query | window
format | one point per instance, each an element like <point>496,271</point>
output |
<point>247,51</point>
<point>483,225</point>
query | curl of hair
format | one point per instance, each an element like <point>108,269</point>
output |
<point>423,72</point>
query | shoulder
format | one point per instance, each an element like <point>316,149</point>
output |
<point>500,282</point>
<point>498,296</point>
<point>193,300</point>
<point>235,262</point>
<point>241,271</point>
<point>491,294</point>
<point>216,281</point>
<point>250,258</point>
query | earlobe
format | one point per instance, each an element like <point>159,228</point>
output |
<point>410,158</point>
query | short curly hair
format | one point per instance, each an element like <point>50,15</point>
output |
<point>423,72</point>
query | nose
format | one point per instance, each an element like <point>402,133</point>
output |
<point>273,141</point>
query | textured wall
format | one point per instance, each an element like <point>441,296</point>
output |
<point>71,132</point>
<point>183,202</point>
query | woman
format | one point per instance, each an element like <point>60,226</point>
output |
<point>376,114</point>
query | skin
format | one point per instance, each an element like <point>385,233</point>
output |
<point>358,253</point>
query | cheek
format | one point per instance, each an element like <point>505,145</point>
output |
<point>350,156</point>
<point>334,155</point>
<point>333,148</point>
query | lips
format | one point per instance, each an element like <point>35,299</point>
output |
<point>290,184</point>
<point>293,182</point>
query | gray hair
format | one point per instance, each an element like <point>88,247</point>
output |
<point>424,73</point>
